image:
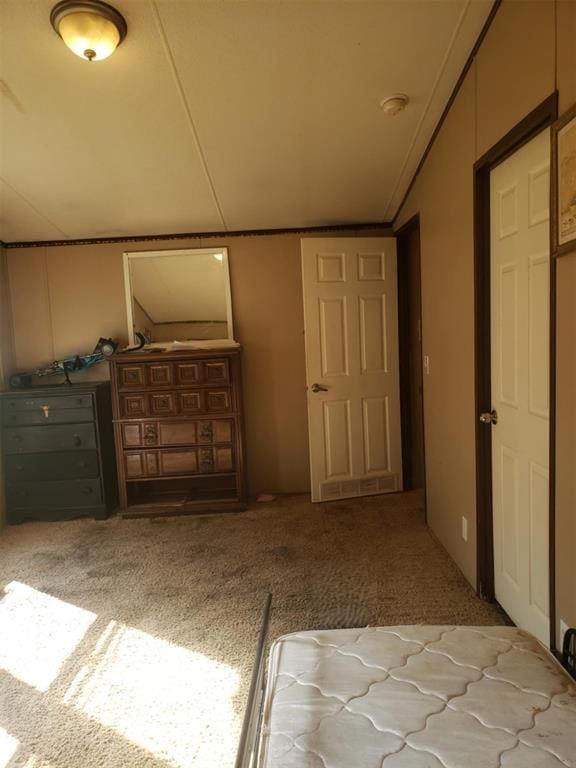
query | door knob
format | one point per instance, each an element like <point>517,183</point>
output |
<point>319,388</point>
<point>489,417</point>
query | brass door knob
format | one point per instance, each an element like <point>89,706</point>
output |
<point>489,417</point>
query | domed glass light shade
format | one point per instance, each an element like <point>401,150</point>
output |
<point>90,28</point>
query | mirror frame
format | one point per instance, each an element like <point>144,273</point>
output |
<point>130,255</point>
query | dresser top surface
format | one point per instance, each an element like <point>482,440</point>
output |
<point>155,355</point>
<point>55,390</point>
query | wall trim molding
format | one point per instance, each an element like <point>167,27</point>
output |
<point>201,235</point>
<point>449,103</point>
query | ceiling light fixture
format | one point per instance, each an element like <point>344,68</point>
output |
<point>90,28</point>
<point>391,105</point>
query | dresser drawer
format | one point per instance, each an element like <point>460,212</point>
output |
<point>52,402</point>
<point>49,416</point>
<point>54,494</point>
<point>142,375</point>
<point>167,433</point>
<point>216,371</point>
<point>218,400</point>
<point>49,438</point>
<point>139,405</point>
<point>178,461</point>
<point>61,465</point>
<point>166,374</point>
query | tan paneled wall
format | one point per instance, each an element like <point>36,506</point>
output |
<point>513,72</point>
<point>64,298</point>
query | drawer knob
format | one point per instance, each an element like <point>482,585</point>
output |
<point>19,468</point>
<point>150,434</point>
<point>17,438</point>
<point>87,490</point>
<point>206,430</point>
<point>83,464</point>
<point>206,460</point>
<point>77,440</point>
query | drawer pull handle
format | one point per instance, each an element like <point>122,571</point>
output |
<point>150,434</point>
<point>206,431</point>
<point>77,440</point>
<point>206,460</point>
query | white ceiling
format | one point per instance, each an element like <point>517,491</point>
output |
<point>221,115</point>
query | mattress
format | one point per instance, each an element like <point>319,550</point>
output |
<point>416,697</point>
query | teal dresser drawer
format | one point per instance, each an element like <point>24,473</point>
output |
<point>55,494</point>
<point>60,465</point>
<point>49,438</point>
<point>29,402</point>
<point>48,416</point>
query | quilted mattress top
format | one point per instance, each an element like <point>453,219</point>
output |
<point>417,697</point>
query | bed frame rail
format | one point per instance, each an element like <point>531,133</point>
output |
<point>248,745</point>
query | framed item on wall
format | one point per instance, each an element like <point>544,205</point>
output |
<point>564,183</point>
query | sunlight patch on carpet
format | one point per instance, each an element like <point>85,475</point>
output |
<point>173,702</point>
<point>36,762</point>
<point>39,633</point>
<point>8,747</point>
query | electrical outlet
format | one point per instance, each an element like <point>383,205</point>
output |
<point>427,365</point>
<point>464,528</point>
<point>563,630</point>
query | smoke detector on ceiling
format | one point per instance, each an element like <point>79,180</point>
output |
<point>391,105</point>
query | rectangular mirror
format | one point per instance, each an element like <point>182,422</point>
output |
<point>180,295</point>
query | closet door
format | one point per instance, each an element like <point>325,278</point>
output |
<point>351,328</point>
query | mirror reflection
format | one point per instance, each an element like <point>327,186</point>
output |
<point>179,295</point>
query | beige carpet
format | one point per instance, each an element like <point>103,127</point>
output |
<point>129,642</point>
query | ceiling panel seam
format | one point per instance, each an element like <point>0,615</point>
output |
<point>426,110</point>
<point>187,109</point>
<point>33,207</point>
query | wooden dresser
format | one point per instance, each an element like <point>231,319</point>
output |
<point>58,452</point>
<point>178,431</point>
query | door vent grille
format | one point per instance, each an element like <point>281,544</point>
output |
<point>367,486</point>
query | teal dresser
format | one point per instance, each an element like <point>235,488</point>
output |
<point>58,452</point>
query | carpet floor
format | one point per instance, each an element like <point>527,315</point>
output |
<point>129,643</point>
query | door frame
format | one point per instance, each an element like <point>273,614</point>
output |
<point>404,310</point>
<point>540,118</point>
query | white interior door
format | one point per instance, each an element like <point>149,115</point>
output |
<point>520,256</point>
<point>351,327</point>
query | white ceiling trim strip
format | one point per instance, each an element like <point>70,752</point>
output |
<point>187,110</point>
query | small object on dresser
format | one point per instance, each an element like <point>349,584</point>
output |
<point>71,364</point>
<point>58,452</point>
